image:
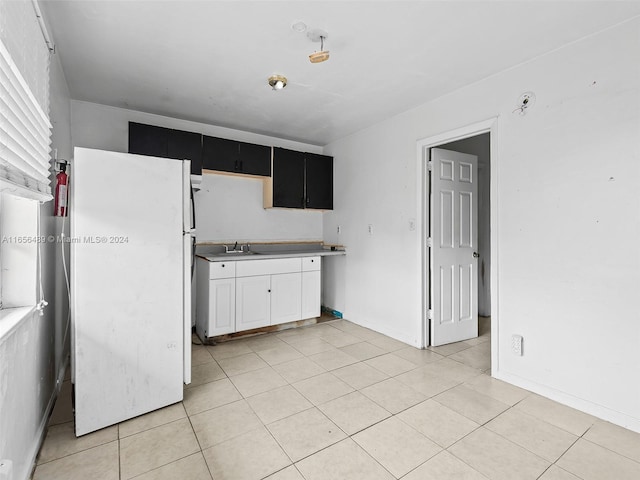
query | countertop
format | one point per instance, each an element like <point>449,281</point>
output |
<point>239,257</point>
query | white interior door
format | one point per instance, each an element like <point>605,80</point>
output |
<point>454,246</point>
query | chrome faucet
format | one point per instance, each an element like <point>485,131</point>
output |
<point>235,248</point>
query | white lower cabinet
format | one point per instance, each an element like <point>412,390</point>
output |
<point>311,287</point>
<point>286,297</point>
<point>215,298</point>
<point>244,295</point>
<point>253,302</point>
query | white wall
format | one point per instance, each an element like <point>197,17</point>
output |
<point>227,208</point>
<point>33,355</point>
<point>567,220</point>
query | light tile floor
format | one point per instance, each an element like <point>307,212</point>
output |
<point>336,401</point>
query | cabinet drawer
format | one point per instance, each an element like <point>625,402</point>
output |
<point>272,266</point>
<point>310,263</point>
<point>222,270</point>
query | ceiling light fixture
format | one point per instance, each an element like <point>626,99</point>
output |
<point>322,55</point>
<point>299,27</point>
<point>277,82</point>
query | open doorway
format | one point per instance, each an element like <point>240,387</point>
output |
<point>474,140</point>
<point>476,352</point>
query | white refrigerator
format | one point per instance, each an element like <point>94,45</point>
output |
<point>131,252</point>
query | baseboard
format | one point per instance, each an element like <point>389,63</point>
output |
<point>600,411</point>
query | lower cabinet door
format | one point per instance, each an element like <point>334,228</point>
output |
<point>253,302</point>
<point>311,286</point>
<point>286,298</point>
<point>222,307</point>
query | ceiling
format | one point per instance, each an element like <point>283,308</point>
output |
<point>208,61</point>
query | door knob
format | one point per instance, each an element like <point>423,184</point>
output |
<point>476,254</point>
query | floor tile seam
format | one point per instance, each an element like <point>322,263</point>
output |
<point>534,417</point>
<point>563,454</point>
<point>312,376</point>
<point>308,357</point>
<point>472,387</point>
<point>119,457</point>
<point>231,377</point>
<point>349,437</point>
<point>77,451</point>
<point>367,386</point>
<point>606,448</point>
<point>193,429</point>
<point>442,449</point>
<point>415,365</point>
<point>312,405</point>
<point>280,470</point>
<point>262,426</point>
<point>551,462</point>
<point>191,386</point>
<point>164,465</point>
<point>547,421</point>
<point>509,407</point>
<point>396,415</point>
<point>293,462</point>
<point>152,428</point>
<point>448,449</point>
<point>463,364</point>
<point>39,465</point>
<point>432,439</point>
<point>404,409</point>
<point>379,463</point>
<point>222,404</point>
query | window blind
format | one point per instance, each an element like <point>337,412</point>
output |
<point>25,129</point>
<point>25,135</point>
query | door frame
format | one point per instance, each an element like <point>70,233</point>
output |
<point>424,146</point>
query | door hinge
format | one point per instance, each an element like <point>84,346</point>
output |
<point>430,165</point>
<point>430,314</point>
<point>429,242</point>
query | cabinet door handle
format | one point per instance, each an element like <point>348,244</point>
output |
<point>269,291</point>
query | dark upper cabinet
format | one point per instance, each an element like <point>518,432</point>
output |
<point>302,180</point>
<point>219,154</point>
<point>236,157</point>
<point>166,143</point>
<point>288,178</point>
<point>186,146</point>
<point>318,181</point>
<point>148,139</point>
<point>255,159</point>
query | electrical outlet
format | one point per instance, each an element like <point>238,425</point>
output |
<point>370,229</point>
<point>339,229</point>
<point>516,344</point>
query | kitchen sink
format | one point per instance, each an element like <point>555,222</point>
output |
<point>238,253</point>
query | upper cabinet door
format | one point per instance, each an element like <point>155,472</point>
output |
<point>148,139</point>
<point>255,159</point>
<point>319,181</point>
<point>288,178</point>
<point>236,157</point>
<point>220,154</point>
<point>186,146</point>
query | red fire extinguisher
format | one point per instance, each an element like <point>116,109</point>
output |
<point>62,180</point>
